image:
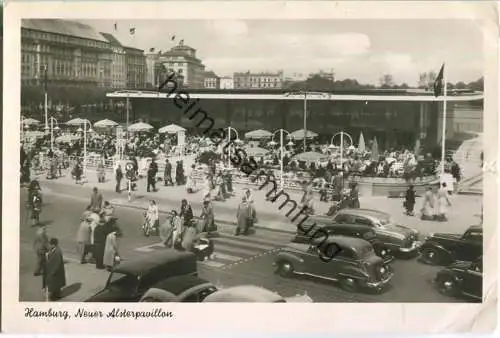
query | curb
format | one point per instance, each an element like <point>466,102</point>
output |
<point>221,223</point>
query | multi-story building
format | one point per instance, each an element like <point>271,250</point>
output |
<point>182,60</point>
<point>226,82</point>
<point>258,80</point>
<point>118,65</point>
<point>135,62</point>
<point>71,53</point>
<point>211,80</point>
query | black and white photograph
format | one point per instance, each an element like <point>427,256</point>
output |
<point>249,160</point>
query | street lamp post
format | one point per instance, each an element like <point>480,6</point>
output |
<point>52,120</point>
<point>306,94</point>
<point>229,129</point>
<point>45,69</point>
<point>281,131</point>
<point>342,134</point>
<point>84,124</point>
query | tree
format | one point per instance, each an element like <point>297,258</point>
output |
<point>426,80</point>
<point>460,85</point>
<point>386,81</point>
<point>477,85</point>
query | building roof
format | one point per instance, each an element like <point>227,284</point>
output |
<point>210,74</point>
<point>112,39</point>
<point>133,49</point>
<point>248,73</point>
<point>179,53</point>
<point>63,27</point>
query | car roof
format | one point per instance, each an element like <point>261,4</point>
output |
<point>244,293</point>
<point>344,242</point>
<point>140,265</point>
<point>363,212</point>
<point>476,228</point>
<point>178,284</point>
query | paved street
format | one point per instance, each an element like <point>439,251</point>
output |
<point>238,260</point>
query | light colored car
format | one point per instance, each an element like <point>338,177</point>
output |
<point>252,294</point>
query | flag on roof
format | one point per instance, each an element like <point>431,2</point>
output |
<point>173,38</point>
<point>116,26</point>
<point>132,31</point>
<point>438,83</point>
<point>151,50</point>
<point>181,43</point>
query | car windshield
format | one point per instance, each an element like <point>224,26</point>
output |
<point>122,281</point>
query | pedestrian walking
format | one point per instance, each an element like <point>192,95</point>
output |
<point>111,256</point>
<point>167,173</point>
<point>166,232</point>
<point>151,176</point>
<point>54,274</point>
<point>427,211</point>
<point>36,207</point>
<point>207,217</point>
<point>101,174</point>
<point>243,216</point>
<point>178,229</point>
<point>107,211</point>
<point>100,234</point>
<point>443,202</point>
<point>96,201</point>
<point>191,183</point>
<point>186,213</point>
<point>41,247</point>
<point>118,178</point>
<point>83,239</point>
<point>77,172</point>
<point>409,203</point>
<point>354,195</point>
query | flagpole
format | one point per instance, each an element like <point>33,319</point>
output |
<point>443,132</point>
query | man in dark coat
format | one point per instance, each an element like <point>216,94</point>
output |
<point>167,174</point>
<point>118,177</point>
<point>55,275</point>
<point>152,170</point>
<point>186,212</point>
<point>409,200</point>
<point>101,231</point>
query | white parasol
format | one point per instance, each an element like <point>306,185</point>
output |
<point>258,134</point>
<point>171,129</point>
<point>106,123</point>
<point>76,122</point>
<point>140,126</point>
<point>29,121</point>
<point>300,134</point>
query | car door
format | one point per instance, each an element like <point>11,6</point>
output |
<point>470,246</point>
<point>473,280</point>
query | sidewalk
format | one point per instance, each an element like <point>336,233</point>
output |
<point>465,210</point>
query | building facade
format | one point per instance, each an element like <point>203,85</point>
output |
<point>72,53</point>
<point>136,70</point>
<point>182,60</point>
<point>151,76</point>
<point>211,80</point>
<point>118,65</point>
<point>226,82</point>
<point>258,80</point>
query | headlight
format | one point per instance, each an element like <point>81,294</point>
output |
<point>382,270</point>
<point>383,252</point>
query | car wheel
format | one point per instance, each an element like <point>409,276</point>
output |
<point>285,269</point>
<point>349,284</point>
<point>431,256</point>
<point>447,286</point>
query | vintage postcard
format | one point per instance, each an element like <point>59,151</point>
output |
<point>339,158</point>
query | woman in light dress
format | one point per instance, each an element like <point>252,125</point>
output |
<point>443,202</point>
<point>110,257</point>
<point>428,205</point>
<point>191,183</point>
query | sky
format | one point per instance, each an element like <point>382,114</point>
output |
<point>360,49</point>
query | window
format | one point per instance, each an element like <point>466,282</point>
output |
<point>477,266</point>
<point>363,221</point>
<point>474,236</point>
<point>343,219</point>
<point>348,254</point>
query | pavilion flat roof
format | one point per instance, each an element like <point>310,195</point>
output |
<point>283,96</point>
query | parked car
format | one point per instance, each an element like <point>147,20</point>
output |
<point>462,279</point>
<point>252,294</point>
<point>443,249</point>
<point>398,238</point>
<point>330,228</point>
<point>186,288</point>
<point>354,266</point>
<point>130,279</point>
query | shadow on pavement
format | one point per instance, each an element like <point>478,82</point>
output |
<point>70,289</point>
